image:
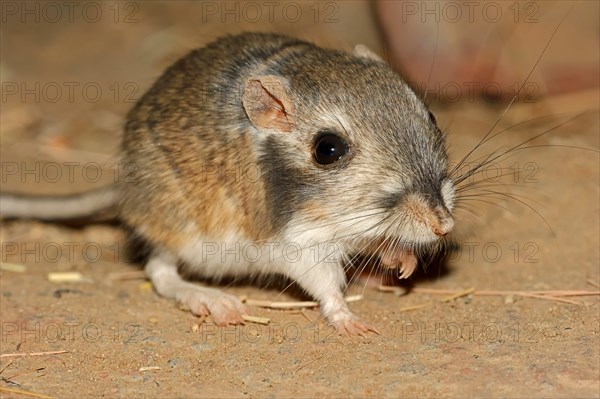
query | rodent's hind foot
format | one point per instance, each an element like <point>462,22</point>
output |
<point>225,309</point>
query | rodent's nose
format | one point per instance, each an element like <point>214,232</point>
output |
<point>444,227</point>
<point>440,232</point>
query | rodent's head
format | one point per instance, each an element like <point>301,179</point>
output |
<point>353,155</point>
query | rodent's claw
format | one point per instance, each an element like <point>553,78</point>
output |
<point>229,318</point>
<point>409,264</point>
<point>396,257</point>
<point>199,310</point>
<point>225,309</point>
<point>353,326</point>
<point>336,311</point>
<point>228,310</point>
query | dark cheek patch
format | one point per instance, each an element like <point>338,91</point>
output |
<point>391,200</point>
<point>287,188</point>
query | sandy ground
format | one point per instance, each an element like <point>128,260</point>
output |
<point>122,340</point>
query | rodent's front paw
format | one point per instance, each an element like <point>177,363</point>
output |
<point>409,264</point>
<point>393,258</point>
<point>336,311</point>
<point>353,326</point>
<point>225,309</point>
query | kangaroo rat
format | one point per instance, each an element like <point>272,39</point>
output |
<point>301,156</point>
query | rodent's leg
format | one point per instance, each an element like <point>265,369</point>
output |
<point>324,281</point>
<point>225,309</point>
<point>335,310</point>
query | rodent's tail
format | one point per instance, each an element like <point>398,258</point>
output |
<point>60,207</point>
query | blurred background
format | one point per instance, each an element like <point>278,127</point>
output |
<point>70,71</point>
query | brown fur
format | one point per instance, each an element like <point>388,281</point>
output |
<point>260,103</point>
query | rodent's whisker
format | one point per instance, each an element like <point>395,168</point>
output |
<point>309,245</point>
<point>376,251</point>
<point>356,236</point>
<point>321,261</point>
<point>484,184</point>
<point>476,183</point>
<point>339,223</point>
<point>364,263</point>
<point>437,38</point>
<point>523,122</point>
<point>466,157</point>
<point>516,95</point>
<point>514,198</point>
<point>594,150</point>
<point>478,198</point>
<point>496,157</point>
<point>348,264</point>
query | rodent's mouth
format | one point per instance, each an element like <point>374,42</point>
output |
<point>393,255</point>
<point>394,252</point>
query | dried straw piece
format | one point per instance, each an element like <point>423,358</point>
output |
<point>415,307</point>
<point>25,373</point>
<point>399,291</point>
<point>307,364</point>
<point>454,294</point>
<point>32,354</point>
<point>5,367</point>
<point>256,319</point>
<point>281,305</point>
<point>130,275</point>
<point>593,283</point>
<point>435,291</point>
<point>66,277</point>
<point>354,298</point>
<point>305,316</point>
<point>459,295</point>
<point>13,267</point>
<point>149,368</point>
<point>547,295</point>
<point>292,304</point>
<point>25,393</point>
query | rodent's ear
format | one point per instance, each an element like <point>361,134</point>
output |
<point>362,51</point>
<point>267,103</point>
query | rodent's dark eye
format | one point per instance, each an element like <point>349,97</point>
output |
<point>432,118</point>
<point>329,148</point>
